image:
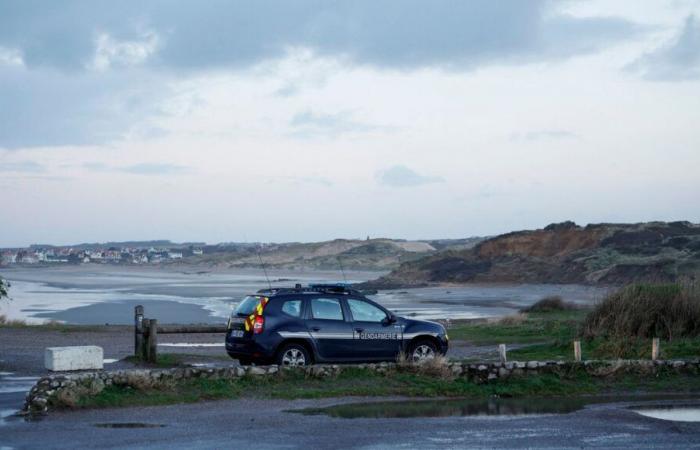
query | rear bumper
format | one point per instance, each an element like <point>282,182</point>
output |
<point>241,348</point>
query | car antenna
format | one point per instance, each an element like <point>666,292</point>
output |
<point>269,285</point>
<point>340,263</point>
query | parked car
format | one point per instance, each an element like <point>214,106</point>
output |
<point>322,324</point>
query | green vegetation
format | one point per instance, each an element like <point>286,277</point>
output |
<point>621,326</point>
<point>363,382</point>
<point>523,328</point>
<point>669,311</point>
<point>549,304</point>
<point>4,287</point>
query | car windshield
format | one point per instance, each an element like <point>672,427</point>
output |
<point>247,306</point>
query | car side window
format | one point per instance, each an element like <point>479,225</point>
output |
<point>365,312</point>
<point>326,309</point>
<point>292,308</point>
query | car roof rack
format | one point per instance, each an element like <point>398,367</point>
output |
<point>326,288</point>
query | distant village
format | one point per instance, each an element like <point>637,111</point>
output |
<point>110,255</point>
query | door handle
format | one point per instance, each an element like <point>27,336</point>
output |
<point>315,328</point>
<point>359,330</point>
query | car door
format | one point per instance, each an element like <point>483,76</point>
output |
<point>330,328</point>
<point>374,335</point>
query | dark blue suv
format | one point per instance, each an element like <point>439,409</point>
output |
<point>325,323</point>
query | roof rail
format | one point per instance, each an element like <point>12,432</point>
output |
<point>330,288</point>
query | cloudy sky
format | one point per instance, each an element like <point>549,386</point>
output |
<point>308,120</point>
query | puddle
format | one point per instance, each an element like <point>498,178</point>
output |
<point>504,407</point>
<point>129,425</point>
<point>676,413</point>
<point>12,384</point>
<point>452,407</point>
<point>187,344</point>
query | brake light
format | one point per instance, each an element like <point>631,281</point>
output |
<point>258,324</point>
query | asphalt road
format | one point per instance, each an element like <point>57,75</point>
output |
<point>264,424</point>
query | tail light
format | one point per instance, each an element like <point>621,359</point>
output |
<point>258,324</point>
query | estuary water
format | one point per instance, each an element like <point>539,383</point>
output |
<point>107,294</point>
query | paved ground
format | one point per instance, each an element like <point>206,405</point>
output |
<point>264,424</point>
<point>22,349</point>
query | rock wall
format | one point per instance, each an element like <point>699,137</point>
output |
<point>65,390</point>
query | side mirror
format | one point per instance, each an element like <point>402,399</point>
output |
<point>391,318</point>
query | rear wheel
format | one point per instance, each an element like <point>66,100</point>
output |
<point>293,355</point>
<point>422,350</point>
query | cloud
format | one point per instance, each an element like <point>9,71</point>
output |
<point>139,169</point>
<point>676,60</point>
<point>89,72</point>
<point>309,124</point>
<point>402,176</point>
<point>22,167</point>
<point>539,135</point>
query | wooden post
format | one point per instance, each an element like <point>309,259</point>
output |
<point>502,352</point>
<point>153,341</point>
<point>577,350</point>
<point>144,340</point>
<point>138,331</point>
<point>655,349</point>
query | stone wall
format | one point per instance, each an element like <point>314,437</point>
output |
<point>66,389</point>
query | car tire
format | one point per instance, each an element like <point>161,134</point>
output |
<point>422,350</point>
<point>293,355</point>
<point>244,362</point>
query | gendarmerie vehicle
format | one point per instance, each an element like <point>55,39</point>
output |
<point>325,323</point>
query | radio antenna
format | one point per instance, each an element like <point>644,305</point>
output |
<point>269,285</point>
<point>340,263</point>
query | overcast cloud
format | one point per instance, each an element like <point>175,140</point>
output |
<point>519,112</point>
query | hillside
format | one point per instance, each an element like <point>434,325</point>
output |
<point>607,254</point>
<point>372,254</point>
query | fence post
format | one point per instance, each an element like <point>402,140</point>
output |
<point>502,352</point>
<point>144,340</point>
<point>577,350</point>
<point>138,331</point>
<point>655,349</point>
<point>153,341</point>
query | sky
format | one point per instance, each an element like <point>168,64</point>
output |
<point>224,121</point>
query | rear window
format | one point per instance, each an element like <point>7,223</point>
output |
<point>292,308</point>
<point>247,306</point>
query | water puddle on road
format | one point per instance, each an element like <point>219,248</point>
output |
<point>505,407</point>
<point>451,407</point>
<point>676,413</point>
<point>129,425</point>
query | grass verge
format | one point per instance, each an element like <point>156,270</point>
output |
<point>362,382</point>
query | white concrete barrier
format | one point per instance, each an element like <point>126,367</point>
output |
<point>88,357</point>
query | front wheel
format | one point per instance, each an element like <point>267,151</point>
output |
<point>422,350</point>
<point>293,355</point>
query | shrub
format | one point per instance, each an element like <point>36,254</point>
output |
<point>513,319</point>
<point>669,310</point>
<point>549,304</point>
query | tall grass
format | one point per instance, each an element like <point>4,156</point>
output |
<point>668,311</point>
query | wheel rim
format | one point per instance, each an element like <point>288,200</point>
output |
<point>293,357</point>
<point>423,352</point>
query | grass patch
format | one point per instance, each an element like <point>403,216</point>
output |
<point>363,382</point>
<point>535,327</point>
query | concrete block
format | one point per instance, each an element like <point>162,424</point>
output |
<point>87,357</point>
